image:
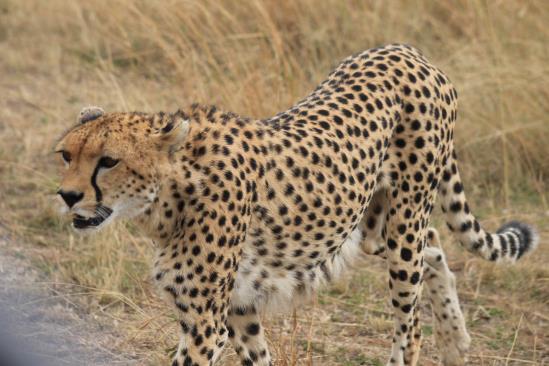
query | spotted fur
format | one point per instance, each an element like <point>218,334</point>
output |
<point>252,215</point>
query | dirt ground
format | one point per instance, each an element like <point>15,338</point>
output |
<point>41,326</point>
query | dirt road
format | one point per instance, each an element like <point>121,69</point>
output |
<point>39,328</point>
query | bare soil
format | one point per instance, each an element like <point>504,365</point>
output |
<point>41,325</point>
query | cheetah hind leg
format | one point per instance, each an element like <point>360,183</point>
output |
<point>247,337</point>
<point>450,331</point>
<point>451,334</point>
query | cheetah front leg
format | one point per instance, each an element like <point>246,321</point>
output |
<point>196,269</point>
<point>201,343</point>
<point>200,307</point>
<point>247,337</point>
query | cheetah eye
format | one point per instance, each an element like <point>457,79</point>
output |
<point>107,162</point>
<point>66,156</point>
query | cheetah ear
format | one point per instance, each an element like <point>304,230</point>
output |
<point>89,114</point>
<point>173,133</point>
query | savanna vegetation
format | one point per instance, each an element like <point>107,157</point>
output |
<point>257,58</point>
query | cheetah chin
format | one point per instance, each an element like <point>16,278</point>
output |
<point>100,218</point>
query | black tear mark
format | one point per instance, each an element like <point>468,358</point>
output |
<point>98,194</point>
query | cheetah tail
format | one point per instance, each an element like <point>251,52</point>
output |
<point>510,242</point>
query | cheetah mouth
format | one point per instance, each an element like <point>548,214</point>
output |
<point>81,222</point>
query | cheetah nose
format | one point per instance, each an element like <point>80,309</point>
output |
<point>70,197</point>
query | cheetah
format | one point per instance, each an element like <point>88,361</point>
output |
<point>251,216</point>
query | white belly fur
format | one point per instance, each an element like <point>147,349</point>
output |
<point>280,292</point>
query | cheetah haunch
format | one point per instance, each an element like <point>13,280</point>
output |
<point>253,215</point>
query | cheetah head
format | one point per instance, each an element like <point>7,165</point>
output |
<point>113,163</point>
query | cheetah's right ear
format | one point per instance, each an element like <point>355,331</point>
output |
<point>173,133</point>
<point>89,114</point>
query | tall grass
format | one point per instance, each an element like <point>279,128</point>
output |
<point>258,57</point>
<point>255,58</point>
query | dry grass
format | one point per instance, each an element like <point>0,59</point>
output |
<point>257,58</point>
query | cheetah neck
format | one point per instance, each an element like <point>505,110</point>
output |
<point>163,221</point>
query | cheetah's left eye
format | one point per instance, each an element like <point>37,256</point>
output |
<point>108,162</point>
<point>66,156</point>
